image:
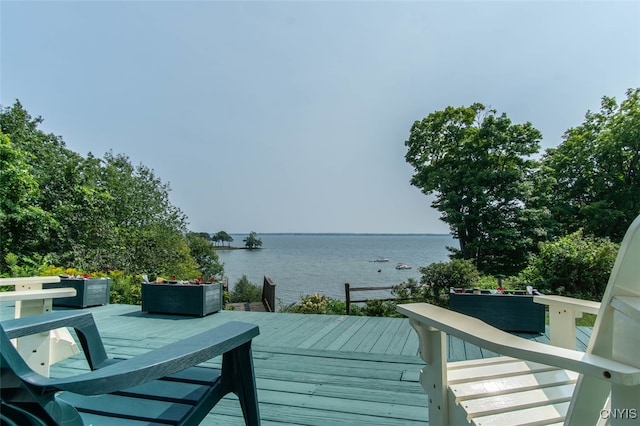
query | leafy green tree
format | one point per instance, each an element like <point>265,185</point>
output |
<point>204,253</point>
<point>147,230</point>
<point>223,237</point>
<point>22,223</point>
<point>252,241</point>
<point>575,265</point>
<point>54,168</point>
<point>476,163</point>
<point>596,171</point>
<point>244,291</point>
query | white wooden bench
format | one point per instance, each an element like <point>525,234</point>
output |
<point>534,383</point>
<point>44,349</point>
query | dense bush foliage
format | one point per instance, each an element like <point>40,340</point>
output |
<point>311,304</point>
<point>245,291</point>
<point>575,265</point>
<point>321,304</point>
<point>438,278</point>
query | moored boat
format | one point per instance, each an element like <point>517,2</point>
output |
<point>401,265</point>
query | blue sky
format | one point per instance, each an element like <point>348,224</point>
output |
<point>292,116</point>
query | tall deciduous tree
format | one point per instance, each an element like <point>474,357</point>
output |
<point>23,224</point>
<point>148,229</point>
<point>476,163</point>
<point>597,171</point>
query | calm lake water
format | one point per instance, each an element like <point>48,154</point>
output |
<point>302,264</point>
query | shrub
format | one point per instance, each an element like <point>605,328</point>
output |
<point>336,306</point>
<point>245,291</point>
<point>321,304</point>
<point>125,288</point>
<point>380,308</point>
<point>436,280</point>
<point>575,265</point>
<point>311,304</point>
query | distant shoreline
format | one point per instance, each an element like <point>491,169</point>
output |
<point>345,234</point>
<point>235,248</point>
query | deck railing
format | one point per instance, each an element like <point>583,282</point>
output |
<point>268,294</point>
<point>348,300</point>
<point>347,295</point>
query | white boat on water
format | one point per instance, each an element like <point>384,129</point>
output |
<point>381,259</point>
<point>401,265</point>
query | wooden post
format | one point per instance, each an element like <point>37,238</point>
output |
<point>347,297</point>
<point>268,294</point>
<point>433,377</point>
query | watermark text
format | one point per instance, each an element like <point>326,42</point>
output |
<point>619,413</point>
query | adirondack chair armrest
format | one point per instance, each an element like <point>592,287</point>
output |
<point>82,322</point>
<point>152,365</point>
<point>474,331</point>
<point>563,312</point>
<point>578,306</point>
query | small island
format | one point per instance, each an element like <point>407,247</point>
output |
<point>252,242</point>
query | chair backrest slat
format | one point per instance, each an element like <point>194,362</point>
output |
<point>590,394</point>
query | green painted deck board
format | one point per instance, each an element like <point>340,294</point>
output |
<point>353,327</point>
<point>310,369</point>
<point>363,335</point>
<point>411,345</point>
<point>399,339</point>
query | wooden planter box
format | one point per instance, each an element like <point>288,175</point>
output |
<point>182,299</point>
<point>89,292</point>
<point>504,311</point>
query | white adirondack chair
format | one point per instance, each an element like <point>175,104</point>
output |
<point>534,383</point>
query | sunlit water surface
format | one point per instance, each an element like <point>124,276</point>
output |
<point>302,264</point>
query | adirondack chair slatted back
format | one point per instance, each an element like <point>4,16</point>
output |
<point>615,335</point>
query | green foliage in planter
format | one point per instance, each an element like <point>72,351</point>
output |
<point>245,291</point>
<point>491,282</point>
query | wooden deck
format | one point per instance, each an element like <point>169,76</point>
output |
<point>310,369</point>
<point>247,307</point>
